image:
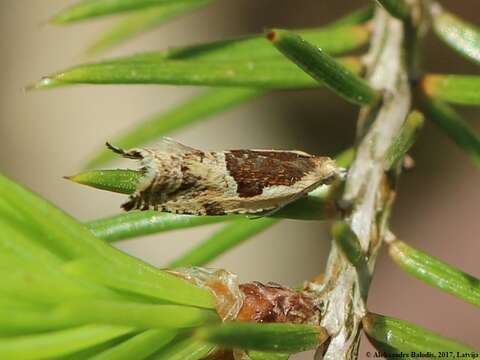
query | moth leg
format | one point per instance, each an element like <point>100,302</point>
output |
<point>145,196</point>
<point>134,203</point>
<point>130,204</point>
<point>145,206</point>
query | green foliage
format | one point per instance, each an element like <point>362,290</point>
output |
<point>349,243</point>
<point>460,35</point>
<point>259,355</point>
<point>56,275</point>
<point>334,40</point>
<point>184,349</point>
<point>222,241</point>
<point>159,285</point>
<point>246,61</point>
<point>119,181</point>
<point>394,336</point>
<point>144,20</point>
<point>264,337</point>
<point>323,68</point>
<point>408,135</point>
<point>455,89</point>
<point>351,248</point>
<point>139,346</point>
<point>436,272</point>
<point>58,343</point>
<point>265,74</point>
<point>456,128</point>
<point>139,223</point>
<point>66,293</point>
<point>87,9</point>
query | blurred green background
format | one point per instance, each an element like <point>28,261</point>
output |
<point>45,135</point>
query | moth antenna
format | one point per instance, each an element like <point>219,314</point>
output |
<point>132,154</point>
<point>115,149</point>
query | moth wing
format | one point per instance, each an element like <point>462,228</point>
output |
<point>170,145</point>
<point>202,206</point>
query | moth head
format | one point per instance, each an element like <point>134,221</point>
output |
<point>327,168</point>
<point>146,159</point>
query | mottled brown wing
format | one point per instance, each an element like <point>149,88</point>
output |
<point>254,170</point>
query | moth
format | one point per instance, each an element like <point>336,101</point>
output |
<point>183,180</point>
